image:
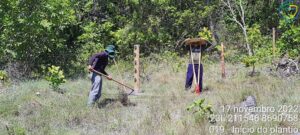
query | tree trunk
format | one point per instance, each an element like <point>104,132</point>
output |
<point>215,39</point>
<point>249,49</point>
<point>253,70</point>
<point>212,29</point>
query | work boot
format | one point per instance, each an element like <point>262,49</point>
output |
<point>187,88</point>
<point>192,90</point>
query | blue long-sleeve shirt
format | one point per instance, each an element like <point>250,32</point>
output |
<point>99,61</point>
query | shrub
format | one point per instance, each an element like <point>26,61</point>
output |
<point>205,34</point>
<point>201,110</point>
<point>262,45</point>
<point>289,42</point>
<point>3,76</point>
<point>249,61</point>
<point>55,77</point>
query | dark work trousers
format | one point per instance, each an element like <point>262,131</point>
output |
<point>189,76</point>
<point>95,92</point>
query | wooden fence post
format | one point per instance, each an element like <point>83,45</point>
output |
<point>222,61</point>
<point>137,68</point>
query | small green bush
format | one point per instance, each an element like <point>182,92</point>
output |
<point>3,76</point>
<point>261,44</point>
<point>205,34</point>
<point>249,60</point>
<point>201,110</point>
<point>4,80</point>
<point>55,77</point>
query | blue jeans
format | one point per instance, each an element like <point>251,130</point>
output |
<point>95,92</point>
<point>190,75</point>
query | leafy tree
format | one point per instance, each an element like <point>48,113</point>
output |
<point>237,15</point>
<point>38,32</point>
<point>66,32</point>
<point>289,42</point>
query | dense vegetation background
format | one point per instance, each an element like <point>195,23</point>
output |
<point>38,38</point>
<point>36,34</point>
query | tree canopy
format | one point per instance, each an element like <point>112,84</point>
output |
<point>66,32</point>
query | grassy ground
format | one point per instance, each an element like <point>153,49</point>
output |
<point>160,110</point>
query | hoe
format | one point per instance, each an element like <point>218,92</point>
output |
<point>99,73</point>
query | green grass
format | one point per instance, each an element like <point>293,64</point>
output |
<point>161,109</point>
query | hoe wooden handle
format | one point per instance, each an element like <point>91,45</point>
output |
<point>99,73</point>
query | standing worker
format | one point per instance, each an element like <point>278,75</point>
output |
<point>98,62</point>
<point>195,68</point>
